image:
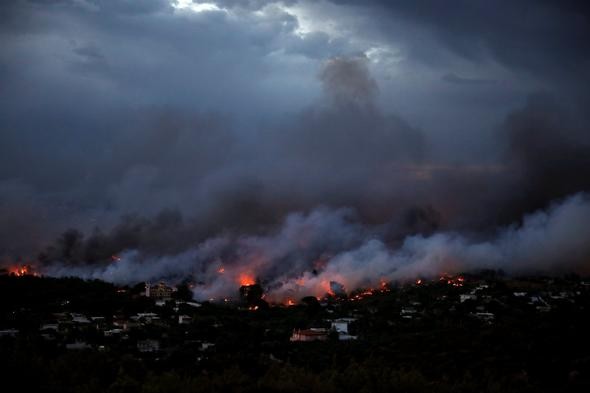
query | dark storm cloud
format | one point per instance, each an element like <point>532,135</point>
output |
<point>549,149</point>
<point>252,4</point>
<point>461,80</point>
<point>533,36</point>
<point>185,139</point>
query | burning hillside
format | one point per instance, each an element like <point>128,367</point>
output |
<point>21,270</point>
<point>329,252</point>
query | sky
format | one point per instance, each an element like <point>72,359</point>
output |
<point>159,124</point>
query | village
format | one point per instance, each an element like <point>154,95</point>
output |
<point>416,325</point>
<point>157,319</point>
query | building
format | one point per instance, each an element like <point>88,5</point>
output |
<point>8,333</point>
<point>158,291</point>
<point>79,319</point>
<point>485,316</point>
<point>312,334</point>
<point>408,312</point>
<point>78,345</point>
<point>184,320</point>
<point>340,326</point>
<point>145,346</point>
<point>467,296</point>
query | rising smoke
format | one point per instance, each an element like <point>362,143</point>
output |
<point>341,196</point>
<point>311,254</point>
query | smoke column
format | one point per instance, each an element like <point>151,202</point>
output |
<point>310,252</point>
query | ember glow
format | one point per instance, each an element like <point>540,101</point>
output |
<point>22,270</point>
<point>245,280</point>
<point>325,265</point>
<point>456,281</point>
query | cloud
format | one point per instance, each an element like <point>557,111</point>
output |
<point>461,80</point>
<point>115,114</point>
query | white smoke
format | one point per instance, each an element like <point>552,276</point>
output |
<point>311,250</point>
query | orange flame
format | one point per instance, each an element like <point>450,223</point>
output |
<point>20,271</point>
<point>246,279</point>
<point>328,288</point>
<point>453,281</point>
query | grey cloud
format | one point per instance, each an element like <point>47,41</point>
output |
<point>347,82</point>
<point>533,36</point>
<point>461,80</point>
<point>251,4</point>
<point>158,134</point>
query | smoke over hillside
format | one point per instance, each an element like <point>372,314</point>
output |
<point>373,142</point>
<point>350,195</point>
<point>310,251</point>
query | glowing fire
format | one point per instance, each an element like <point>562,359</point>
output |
<point>328,288</point>
<point>457,281</point>
<point>418,282</point>
<point>20,271</point>
<point>290,302</point>
<point>246,279</point>
<point>221,270</point>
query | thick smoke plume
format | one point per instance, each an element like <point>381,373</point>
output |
<point>311,254</point>
<point>339,196</point>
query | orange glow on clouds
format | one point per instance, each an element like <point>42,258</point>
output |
<point>246,279</point>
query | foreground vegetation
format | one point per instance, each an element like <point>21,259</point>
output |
<point>441,348</point>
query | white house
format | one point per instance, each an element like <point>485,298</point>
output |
<point>312,334</point>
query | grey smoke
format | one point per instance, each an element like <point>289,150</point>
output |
<point>311,254</point>
<point>186,138</point>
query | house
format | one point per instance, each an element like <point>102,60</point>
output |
<point>484,316</point>
<point>340,326</point>
<point>80,319</point>
<point>205,346</point>
<point>78,345</point>
<point>99,322</point>
<point>8,333</point>
<point>145,317</point>
<point>184,320</point>
<point>466,296</point>
<point>312,334</point>
<point>145,346</point>
<point>49,326</point>
<point>519,294</point>
<point>158,291</point>
<point>408,312</point>
<point>112,332</point>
